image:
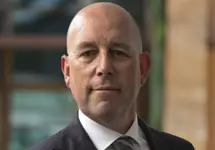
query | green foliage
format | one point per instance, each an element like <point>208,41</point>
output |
<point>157,68</point>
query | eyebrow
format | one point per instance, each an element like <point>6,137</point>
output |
<point>91,44</point>
<point>120,45</point>
<point>86,44</point>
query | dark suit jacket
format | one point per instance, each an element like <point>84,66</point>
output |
<point>74,137</point>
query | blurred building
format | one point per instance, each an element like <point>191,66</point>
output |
<point>178,98</point>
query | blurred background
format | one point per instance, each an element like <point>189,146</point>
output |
<point>178,98</point>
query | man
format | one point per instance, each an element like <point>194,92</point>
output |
<point>104,69</point>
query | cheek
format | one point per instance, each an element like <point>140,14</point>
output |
<point>129,70</point>
<point>130,76</point>
<point>77,83</point>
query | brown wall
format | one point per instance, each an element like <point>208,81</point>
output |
<point>185,109</point>
<point>211,77</point>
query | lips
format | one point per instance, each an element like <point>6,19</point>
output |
<point>106,88</point>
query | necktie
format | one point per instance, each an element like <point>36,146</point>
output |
<point>123,143</point>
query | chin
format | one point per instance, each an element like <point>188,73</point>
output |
<point>103,108</point>
<point>104,117</point>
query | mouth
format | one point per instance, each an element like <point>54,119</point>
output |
<point>107,89</point>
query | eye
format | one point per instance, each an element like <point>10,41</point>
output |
<point>88,53</point>
<point>118,53</point>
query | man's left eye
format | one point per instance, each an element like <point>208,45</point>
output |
<point>118,53</point>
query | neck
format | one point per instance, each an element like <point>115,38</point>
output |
<point>122,125</point>
<point>120,122</point>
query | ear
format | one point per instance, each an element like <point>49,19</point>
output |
<point>145,63</point>
<point>65,69</point>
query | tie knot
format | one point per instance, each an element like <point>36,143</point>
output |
<point>123,143</point>
<point>126,140</point>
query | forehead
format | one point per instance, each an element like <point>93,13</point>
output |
<point>100,30</point>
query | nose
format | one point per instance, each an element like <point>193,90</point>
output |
<point>105,65</point>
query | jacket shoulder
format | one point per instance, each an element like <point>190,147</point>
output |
<point>174,142</point>
<point>50,143</point>
<point>54,142</point>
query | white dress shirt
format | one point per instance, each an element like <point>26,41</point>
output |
<point>102,136</point>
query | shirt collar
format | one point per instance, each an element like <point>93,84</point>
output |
<point>102,136</point>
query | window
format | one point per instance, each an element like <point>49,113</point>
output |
<point>42,16</point>
<point>37,114</point>
<point>37,66</point>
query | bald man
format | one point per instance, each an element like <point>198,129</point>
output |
<point>105,68</point>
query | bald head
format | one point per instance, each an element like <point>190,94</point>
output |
<point>104,15</point>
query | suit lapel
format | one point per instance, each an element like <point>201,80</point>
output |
<point>86,145</point>
<point>147,134</point>
<point>76,137</point>
<point>154,142</point>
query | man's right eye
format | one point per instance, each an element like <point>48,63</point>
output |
<point>89,53</point>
